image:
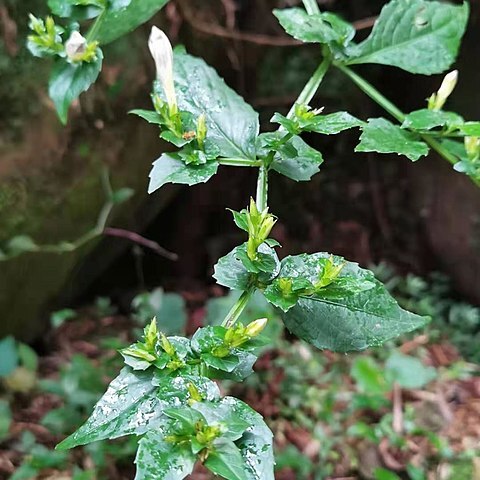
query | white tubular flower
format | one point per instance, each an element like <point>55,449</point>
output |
<point>161,50</point>
<point>75,46</point>
<point>445,90</point>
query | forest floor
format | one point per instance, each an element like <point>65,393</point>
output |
<point>407,410</point>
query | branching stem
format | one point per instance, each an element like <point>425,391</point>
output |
<point>237,309</point>
<point>312,85</point>
<point>395,112</point>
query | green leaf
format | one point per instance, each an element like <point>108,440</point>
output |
<point>168,308</point>
<point>333,123</point>
<point>280,299</point>
<point>369,376</point>
<point>8,356</point>
<point>265,262</point>
<point>186,416</point>
<point>225,412</point>
<point>255,444</point>
<point>379,135</point>
<point>116,22</point>
<point>325,124</point>
<point>285,291</point>
<point>69,80</point>
<point>242,370</point>
<point>408,372</point>
<point>27,356</point>
<point>149,115</point>
<point>471,129</point>
<point>294,158</point>
<point>316,28</point>
<point>232,124</point>
<point>351,323</point>
<point>232,273</point>
<point>70,9</point>
<point>382,474</point>
<point>226,461</point>
<point>131,405</point>
<point>160,460</point>
<point>237,364</point>
<point>426,119</point>
<point>465,164</point>
<point>416,35</point>
<point>240,219</point>
<point>170,169</point>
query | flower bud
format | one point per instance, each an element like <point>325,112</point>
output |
<point>201,133</point>
<point>166,345</point>
<point>151,334</point>
<point>255,328</point>
<point>472,147</point>
<point>437,101</point>
<point>75,46</point>
<point>195,395</point>
<point>162,53</point>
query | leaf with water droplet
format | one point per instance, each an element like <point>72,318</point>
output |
<point>350,323</point>
<point>169,168</point>
<point>416,35</point>
<point>133,404</point>
<point>232,273</point>
<point>158,459</point>
<point>232,124</point>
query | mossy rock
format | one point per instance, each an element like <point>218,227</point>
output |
<point>51,190</point>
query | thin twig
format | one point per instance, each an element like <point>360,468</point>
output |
<point>145,242</point>
<point>216,30</point>
<point>397,423</point>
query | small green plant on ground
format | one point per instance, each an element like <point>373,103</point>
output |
<point>166,393</point>
<point>328,412</point>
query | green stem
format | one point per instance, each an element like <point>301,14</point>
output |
<point>239,162</point>
<point>237,309</point>
<point>373,93</point>
<point>439,148</point>
<point>311,6</point>
<point>262,183</point>
<point>262,188</point>
<point>393,110</point>
<point>312,85</point>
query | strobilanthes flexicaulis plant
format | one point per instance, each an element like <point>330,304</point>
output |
<point>167,394</point>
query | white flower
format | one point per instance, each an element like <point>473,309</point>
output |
<point>75,46</point>
<point>445,90</point>
<point>161,50</point>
